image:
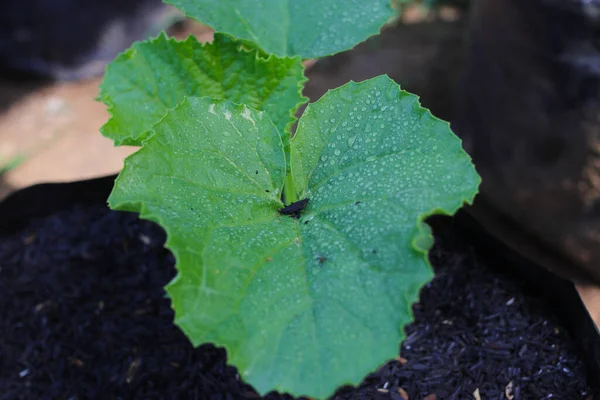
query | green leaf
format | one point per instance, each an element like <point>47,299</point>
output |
<point>308,28</point>
<point>154,76</point>
<point>301,305</point>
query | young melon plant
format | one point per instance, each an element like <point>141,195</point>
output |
<point>300,255</point>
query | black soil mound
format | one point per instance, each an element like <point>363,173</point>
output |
<point>83,316</point>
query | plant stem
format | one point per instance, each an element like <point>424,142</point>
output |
<point>289,191</point>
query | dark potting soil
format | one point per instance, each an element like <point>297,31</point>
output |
<point>83,316</point>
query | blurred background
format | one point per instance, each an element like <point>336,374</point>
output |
<point>52,56</point>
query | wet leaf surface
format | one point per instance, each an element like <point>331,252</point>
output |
<point>308,28</point>
<point>372,164</point>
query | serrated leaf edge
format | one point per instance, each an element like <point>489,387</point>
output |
<point>260,56</point>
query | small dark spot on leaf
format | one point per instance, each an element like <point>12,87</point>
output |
<point>374,251</point>
<point>257,172</point>
<point>294,209</point>
<point>306,222</point>
<point>357,203</point>
<point>321,259</point>
<point>268,191</point>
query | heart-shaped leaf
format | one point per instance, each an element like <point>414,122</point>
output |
<point>302,305</point>
<point>144,82</point>
<point>305,28</point>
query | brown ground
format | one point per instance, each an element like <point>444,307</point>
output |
<point>53,129</point>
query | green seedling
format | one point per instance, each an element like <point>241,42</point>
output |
<point>300,254</point>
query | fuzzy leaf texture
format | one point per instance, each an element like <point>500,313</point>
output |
<point>141,84</point>
<point>305,28</point>
<point>301,305</point>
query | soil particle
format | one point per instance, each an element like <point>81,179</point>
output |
<point>84,316</point>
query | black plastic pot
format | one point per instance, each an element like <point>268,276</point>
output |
<point>44,200</point>
<point>69,39</point>
<point>41,200</point>
<point>527,110</point>
<point>528,113</point>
